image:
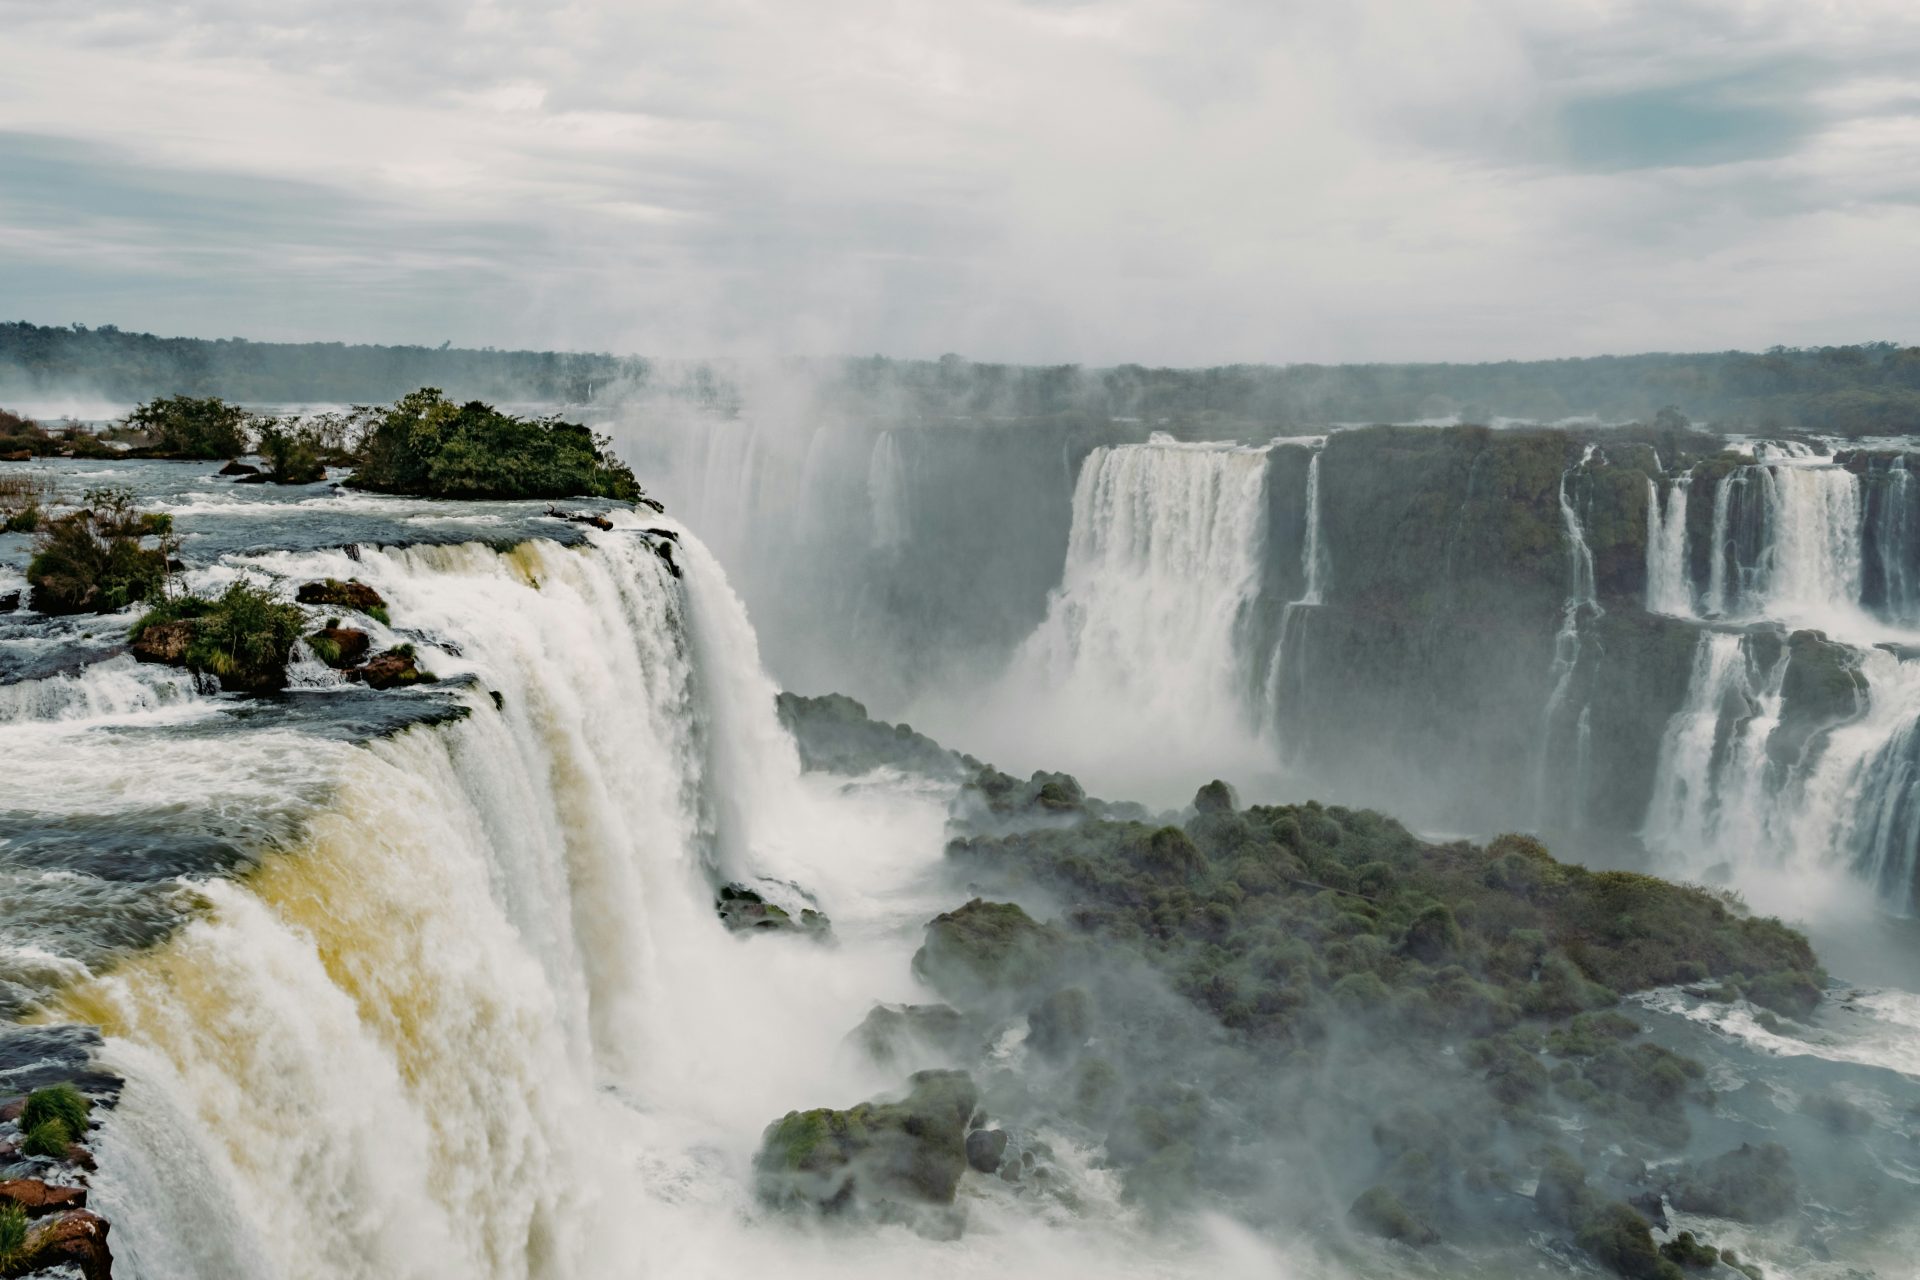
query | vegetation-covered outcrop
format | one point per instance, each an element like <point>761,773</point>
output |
<point>835,735</point>
<point>244,636</point>
<point>428,446</point>
<point>189,427</point>
<point>101,558</point>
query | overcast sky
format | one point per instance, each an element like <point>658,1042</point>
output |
<point>1169,181</point>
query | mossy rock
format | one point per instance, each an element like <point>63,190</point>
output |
<point>910,1152</point>
<point>1059,1025</point>
<point>985,947</point>
<point>1379,1212</point>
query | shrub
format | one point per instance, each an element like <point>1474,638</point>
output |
<point>61,1104</point>
<point>430,447</point>
<point>48,1138</point>
<point>245,637</point>
<point>292,454</point>
<point>190,427</point>
<point>93,560</point>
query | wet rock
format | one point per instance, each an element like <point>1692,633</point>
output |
<point>1652,1206</point>
<point>9,601</point>
<point>17,455</point>
<point>986,1148</point>
<point>876,1156</point>
<point>166,642</point>
<point>237,468</point>
<point>77,1240</point>
<point>39,1198</point>
<point>391,670</point>
<point>12,1111</point>
<point>351,594</point>
<point>340,647</point>
<point>257,477</point>
<point>581,517</point>
<point>743,910</point>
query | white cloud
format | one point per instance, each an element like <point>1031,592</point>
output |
<point>1182,181</point>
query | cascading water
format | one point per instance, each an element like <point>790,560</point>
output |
<point>1143,650</point>
<point>1582,605</point>
<point>1788,544</point>
<point>887,491</point>
<point>1669,587</point>
<point>1285,670</point>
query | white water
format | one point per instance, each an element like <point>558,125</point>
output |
<point>887,492</point>
<point>1283,671</point>
<point>1582,605</point>
<point>478,1018</point>
<point>1669,588</point>
<point>1142,657</point>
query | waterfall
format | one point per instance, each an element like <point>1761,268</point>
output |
<point>1143,651</point>
<point>473,1014</point>
<point>1284,677</point>
<point>1896,543</point>
<point>1582,603</point>
<point>887,492</point>
<point>1669,584</point>
<point>1788,543</point>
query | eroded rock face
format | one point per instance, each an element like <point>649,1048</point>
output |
<point>39,1198</point>
<point>986,1148</point>
<point>9,601</point>
<point>903,1034</point>
<point>877,1157</point>
<point>238,468</point>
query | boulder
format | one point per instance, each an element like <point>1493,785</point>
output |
<point>882,1156</point>
<point>581,517</point>
<point>77,1240</point>
<point>39,1198</point>
<point>340,647</point>
<point>1379,1212</point>
<point>9,601</point>
<point>166,642</point>
<point>257,477</point>
<point>390,669</point>
<point>351,594</point>
<point>986,1148</point>
<point>10,1112</point>
<point>17,455</point>
<point>237,468</point>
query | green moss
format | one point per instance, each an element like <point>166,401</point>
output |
<point>911,1151</point>
<point>245,636</point>
<point>1621,1240</point>
<point>1685,1251</point>
<point>986,946</point>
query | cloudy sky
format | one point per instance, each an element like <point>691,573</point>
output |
<point>1169,181</point>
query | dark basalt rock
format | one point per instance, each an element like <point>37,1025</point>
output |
<point>9,602</point>
<point>582,517</point>
<point>237,468</point>
<point>257,477</point>
<point>351,594</point>
<point>986,1148</point>
<point>744,910</point>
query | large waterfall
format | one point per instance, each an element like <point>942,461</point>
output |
<point>1669,589</point>
<point>1144,651</point>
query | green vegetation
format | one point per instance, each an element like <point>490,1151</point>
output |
<point>14,1252</point>
<point>292,454</point>
<point>245,636</point>
<point>430,447</point>
<point>23,499</point>
<point>96,560</point>
<point>351,594</point>
<point>60,1104</point>
<point>191,427</point>
<point>48,1138</point>
<point>875,1155</point>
